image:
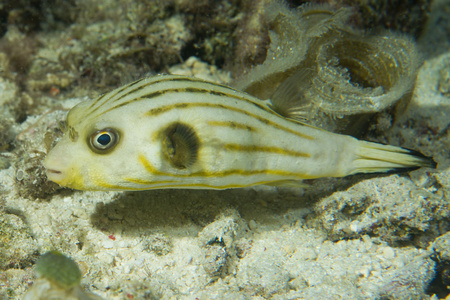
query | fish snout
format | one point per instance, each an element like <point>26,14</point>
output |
<point>54,175</point>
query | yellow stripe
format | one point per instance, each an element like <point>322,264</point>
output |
<point>253,148</point>
<point>232,125</point>
<point>222,187</point>
<point>116,92</point>
<point>103,184</point>
<point>163,109</point>
<point>198,91</point>
<point>162,183</point>
<point>156,111</point>
<point>148,166</point>
<point>161,79</point>
<point>156,80</point>
<point>141,181</point>
<point>160,93</point>
<point>188,80</point>
<point>175,79</point>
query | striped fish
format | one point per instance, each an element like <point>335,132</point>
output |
<point>182,132</point>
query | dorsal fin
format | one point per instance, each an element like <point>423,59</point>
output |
<point>290,98</point>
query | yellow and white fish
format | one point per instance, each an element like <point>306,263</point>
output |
<point>182,132</point>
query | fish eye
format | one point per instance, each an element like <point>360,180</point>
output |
<point>104,139</point>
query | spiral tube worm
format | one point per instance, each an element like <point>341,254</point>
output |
<point>325,73</point>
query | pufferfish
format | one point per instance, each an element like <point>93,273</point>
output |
<point>182,132</point>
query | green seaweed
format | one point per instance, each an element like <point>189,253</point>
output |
<point>58,268</point>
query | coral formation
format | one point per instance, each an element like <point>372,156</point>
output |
<point>441,282</point>
<point>31,146</point>
<point>158,243</point>
<point>13,232</point>
<point>376,208</point>
<point>401,16</point>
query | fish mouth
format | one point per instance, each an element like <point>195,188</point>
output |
<point>64,176</point>
<point>54,171</point>
<point>55,175</point>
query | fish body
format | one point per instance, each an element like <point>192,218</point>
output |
<point>181,132</point>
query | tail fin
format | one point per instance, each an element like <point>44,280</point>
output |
<point>373,157</point>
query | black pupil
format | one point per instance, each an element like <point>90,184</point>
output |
<point>104,139</point>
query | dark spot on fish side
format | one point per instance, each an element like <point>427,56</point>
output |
<point>180,145</point>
